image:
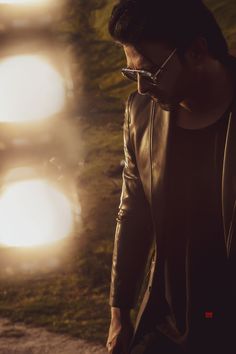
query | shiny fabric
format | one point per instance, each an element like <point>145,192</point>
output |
<point>147,132</point>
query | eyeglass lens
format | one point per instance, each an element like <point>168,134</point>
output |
<point>133,75</point>
<point>130,75</point>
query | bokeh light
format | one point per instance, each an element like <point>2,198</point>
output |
<point>14,2</point>
<point>30,89</point>
<point>33,213</point>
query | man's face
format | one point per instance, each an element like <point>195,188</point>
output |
<point>171,82</point>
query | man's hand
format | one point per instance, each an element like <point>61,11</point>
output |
<point>120,332</point>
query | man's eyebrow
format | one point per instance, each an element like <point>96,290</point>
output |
<point>150,67</point>
<point>143,66</point>
<point>148,64</point>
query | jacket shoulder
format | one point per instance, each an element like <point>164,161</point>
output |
<point>137,105</point>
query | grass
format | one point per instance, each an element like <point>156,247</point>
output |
<point>58,302</point>
<point>73,298</point>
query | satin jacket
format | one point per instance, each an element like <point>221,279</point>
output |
<point>147,135</point>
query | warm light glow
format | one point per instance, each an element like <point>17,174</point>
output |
<point>34,213</point>
<point>13,2</point>
<point>30,89</point>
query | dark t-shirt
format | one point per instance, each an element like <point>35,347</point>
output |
<point>195,273</point>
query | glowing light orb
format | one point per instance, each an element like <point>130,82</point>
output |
<point>13,2</point>
<point>34,213</point>
<point>30,89</point>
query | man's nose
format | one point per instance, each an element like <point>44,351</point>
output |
<point>143,85</point>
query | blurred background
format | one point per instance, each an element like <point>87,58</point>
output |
<point>61,157</point>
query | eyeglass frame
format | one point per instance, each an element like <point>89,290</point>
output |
<point>148,74</point>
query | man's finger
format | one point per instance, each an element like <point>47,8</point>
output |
<point>115,346</point>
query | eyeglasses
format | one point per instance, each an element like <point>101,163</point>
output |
<point>132,74</point>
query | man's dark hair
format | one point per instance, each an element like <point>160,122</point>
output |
<point>176,22</point>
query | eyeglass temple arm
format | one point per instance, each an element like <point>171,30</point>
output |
<point>165,62</point>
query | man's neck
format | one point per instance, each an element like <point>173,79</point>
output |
<point>209,99</point>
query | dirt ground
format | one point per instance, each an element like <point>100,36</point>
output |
<point>21,339</point>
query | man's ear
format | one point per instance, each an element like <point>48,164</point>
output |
<point>197,52</point>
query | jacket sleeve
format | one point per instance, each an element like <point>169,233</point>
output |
<point>133,235</point>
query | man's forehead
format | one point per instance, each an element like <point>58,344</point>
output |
<point>135,59</point>
<point>146,54</point>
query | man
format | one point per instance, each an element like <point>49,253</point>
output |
<point>179,182</point>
